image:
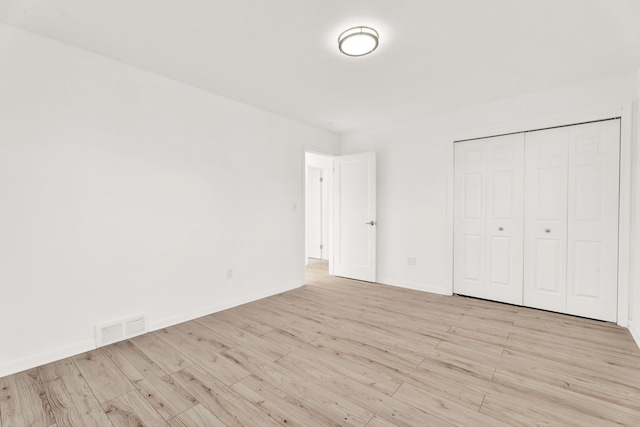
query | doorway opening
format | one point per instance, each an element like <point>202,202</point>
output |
<point>318,209</point>
<point>340,214</point>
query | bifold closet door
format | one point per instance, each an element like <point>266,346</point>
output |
<point>571,219</point>
<point>593,188</point>
<point>545,230</point>
<point>488,224</point>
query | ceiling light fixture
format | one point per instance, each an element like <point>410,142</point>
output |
<point>358,41</point>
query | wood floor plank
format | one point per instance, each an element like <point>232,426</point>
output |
<point>519,361</point>
<point>48,372</point>
<point>410,353</point>
<point>600,411</point>
<point>560,376</point>
<point>527,412</point>
<point>36,410</point>
<point>63,407</point>
<point>605,364</point>
<point>132,410</point>
<point>241,336</point>
<point>204,335</point>
<point>261,312</point>
<point>132,362</point>
<point>165,396</point>
<point>376,421</point>
<point>384,406</point>
<point>324,401</point>
<point>162,354</point>
<point>81,395</point>
<point>379,353</point>
<point>436,359</point>
<point>235,319</point>
<point>197,416</point>
<point>444,408</point>
<point>519,334</point>
<point>102,375</point>
<point>221,400</point>
<point>203,354</point>
<point>454,389</point>
<point>10,408</point>
<point>625,365</point>
<point>366,375</point>
<point>287,410</point>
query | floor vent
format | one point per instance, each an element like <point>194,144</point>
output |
<point>108,333</point>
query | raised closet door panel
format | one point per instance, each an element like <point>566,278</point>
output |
<point>504,231</point>
<point>592,262</point>
<point>470,219</point>
<point>545,219</point>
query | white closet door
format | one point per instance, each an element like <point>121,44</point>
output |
<point>469,240</point>
<point>505,187</point>
<point>488,218</point>
<point>545,230</point>
<point>592,262</point>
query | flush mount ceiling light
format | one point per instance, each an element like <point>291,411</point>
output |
<point>358,41</point>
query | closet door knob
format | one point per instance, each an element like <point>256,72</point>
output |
<point>500,228</point>
<point>547,230</point>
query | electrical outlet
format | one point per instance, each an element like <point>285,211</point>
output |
<point>229,274</point>
<point>411,261</point>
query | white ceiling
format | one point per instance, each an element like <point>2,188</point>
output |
<point>282,55</point>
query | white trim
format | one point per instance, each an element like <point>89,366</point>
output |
<point>624,215</point>
<point>30,362</point>
<point>434,289</point>
<point>170,321</point>
<point>624,111</point>
<point>635,332</point>
<point>542,122</point>
<point>449,220</point>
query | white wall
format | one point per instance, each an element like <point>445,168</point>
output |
<point>415,171</point>
<point>124,192</point>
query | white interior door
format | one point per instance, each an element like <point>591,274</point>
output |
<point>545,233</point>
<point>593,188</point>
<point>355,216</point>
<point>488,218</point>
<point>314,212</point>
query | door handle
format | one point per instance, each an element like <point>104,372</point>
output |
<point>547,230</point>
<point>371,223</point>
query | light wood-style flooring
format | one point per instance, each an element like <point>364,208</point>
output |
<point>339,352</point>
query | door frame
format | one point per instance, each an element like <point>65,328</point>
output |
<point>310,182</point>
<point>624,111</point>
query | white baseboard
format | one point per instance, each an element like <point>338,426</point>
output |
<point>425,287</point>
<point>634,328</point>
<point>165,323</point>
<point>30,362</point>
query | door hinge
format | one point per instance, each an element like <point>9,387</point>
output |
<point>321,246</point>
<point>321,179</point>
